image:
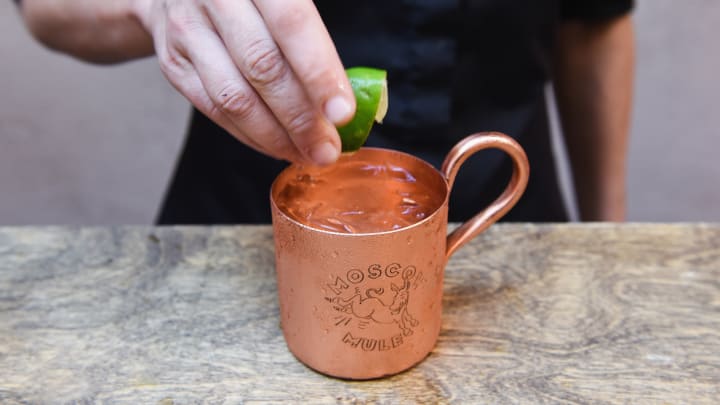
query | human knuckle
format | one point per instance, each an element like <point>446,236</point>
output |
<point>236,102</point>
<point>292,20</point>
<point>300,122</point>
<point>174,60</point>
<point>265,63</point>
<point>173,64</point>
<point>318,75</point>
<point>181,23</point>
<point>168,64</point>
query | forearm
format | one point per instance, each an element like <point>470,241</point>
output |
<point>594,66</point>
<point>93,30</point>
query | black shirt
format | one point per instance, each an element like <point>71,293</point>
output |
<point>454,68</point>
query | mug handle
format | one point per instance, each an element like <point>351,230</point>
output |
<point>493,212</point>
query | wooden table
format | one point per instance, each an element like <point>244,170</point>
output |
<point>532,314</point>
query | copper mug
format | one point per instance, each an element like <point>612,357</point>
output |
<point>368,305</point>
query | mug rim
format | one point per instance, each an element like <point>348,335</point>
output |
<point>364,234</point>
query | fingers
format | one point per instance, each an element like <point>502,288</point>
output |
<point>265,70</point>
<point>264,65</point>
<point>233,97</point>
<point>189,83</point>
<point>300,33</point>
<point>215,87</point>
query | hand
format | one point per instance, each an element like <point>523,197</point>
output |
<point>264,70</point>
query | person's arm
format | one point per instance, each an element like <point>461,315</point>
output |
<point>593,81</point>
<point>266,71</point>
<point>94,31</point>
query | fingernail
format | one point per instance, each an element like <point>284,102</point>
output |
<point>324,153</point>
<point>338,110</point>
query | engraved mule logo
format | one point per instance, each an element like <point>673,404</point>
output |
<point>372,307</point>
<point>375,305</point>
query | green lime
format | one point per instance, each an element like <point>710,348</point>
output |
<point>371,96</point>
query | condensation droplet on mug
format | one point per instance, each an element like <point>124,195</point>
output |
<point>409,240</point>
<point>335,254</point>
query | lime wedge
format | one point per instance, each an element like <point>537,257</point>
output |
<point>371,96</point>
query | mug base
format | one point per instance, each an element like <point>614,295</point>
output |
<point>358,376</point>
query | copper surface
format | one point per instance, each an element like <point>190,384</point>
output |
<point>509,197</point>
<point>368,305</point>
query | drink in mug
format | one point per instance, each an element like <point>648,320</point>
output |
<point>358,196</point>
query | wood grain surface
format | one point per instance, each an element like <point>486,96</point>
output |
<point>532,315</point>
